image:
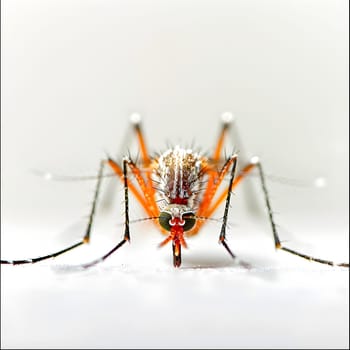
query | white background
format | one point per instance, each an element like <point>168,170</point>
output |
<point>73,72</point>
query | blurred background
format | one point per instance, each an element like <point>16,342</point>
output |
<point>74,71</point>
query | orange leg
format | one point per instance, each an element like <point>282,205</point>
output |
<point>220,141</point>
<point>146,193</point>
<point>217,180</point>
<point>209,208</point>
<point>231,163</point>
<point>244,172</point>
<point>145,198</point>
<point>136,120</point>
<point>146,159</point>
<point>215,177</point>
<point>117,169</point>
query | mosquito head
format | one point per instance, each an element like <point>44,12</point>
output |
<point>176,214</point>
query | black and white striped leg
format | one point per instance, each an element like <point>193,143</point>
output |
<point>277,241</point>
<point>222,237</point>
<point>126,238</point>
<point>86,237</point>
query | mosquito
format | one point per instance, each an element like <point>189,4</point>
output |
<point>179,191</point>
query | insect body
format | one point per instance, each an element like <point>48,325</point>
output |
<point>179,190</point>
<point>179,173</point>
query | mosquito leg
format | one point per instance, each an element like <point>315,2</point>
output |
<point>119,171</point>
<point>85,239</point>
<point>212,182</point>
<point>35,260</point>
<point>136,129</point>
<point>146,159</point>
<point>126,238</point>
<point>136,121</point>
<point>145,197</point>
<point>226,122</point>
<point>222,237</point>
<point>142,172</point>
<point>222,196</point>
<point>278,243</point>
<point>242,174</point>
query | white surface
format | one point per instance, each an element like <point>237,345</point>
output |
<point>72,73</point>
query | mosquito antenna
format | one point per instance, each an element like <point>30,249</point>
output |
<point>205,218</point>
<point>58,177</point>
<point>318,182</point>
<point>144,219</point>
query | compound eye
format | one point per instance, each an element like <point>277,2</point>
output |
<point>190,221</point>
<point>164,219</point>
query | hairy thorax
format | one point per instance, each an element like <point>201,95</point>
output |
<point>178,176</point>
